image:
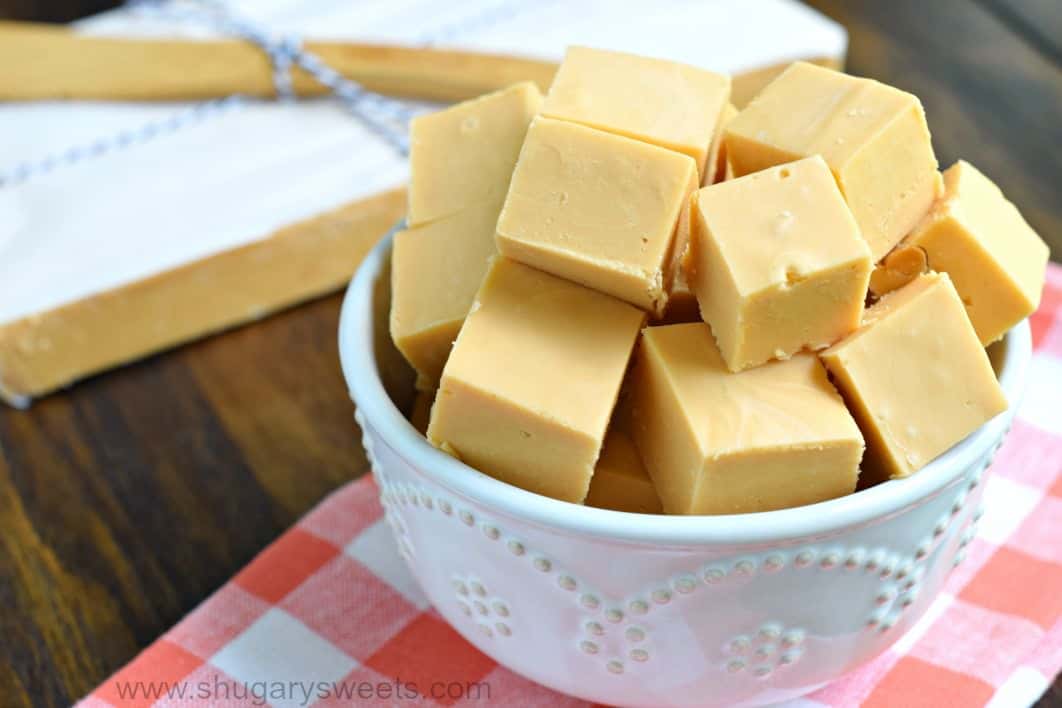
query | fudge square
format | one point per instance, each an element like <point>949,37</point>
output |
<point>716,442</point>
<point>530,385</point>
<point>777,262</point>
<point>672,105</point>
<point>874,138</point>
<point>915,376</point>
<point>599,209</point>
<point>464,155</point>
<point>979,238</point>
<point>436,269</point>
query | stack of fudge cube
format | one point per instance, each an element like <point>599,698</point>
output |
<point>631,295</point>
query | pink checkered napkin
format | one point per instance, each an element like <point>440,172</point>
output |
<point>330,607</point>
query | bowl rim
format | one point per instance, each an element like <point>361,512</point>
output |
<point>357,359</point>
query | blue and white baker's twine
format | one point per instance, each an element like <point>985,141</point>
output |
<point>385,117</point>
<point>380,114</point>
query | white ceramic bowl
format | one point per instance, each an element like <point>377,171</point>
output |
<point>636,610</point>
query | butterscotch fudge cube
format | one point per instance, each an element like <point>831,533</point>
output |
<point>915,376</point>
<point>717,442</point>
<point>528,390</point>
<point>620,481</point>
<point>464,155</point>
<point>874,138</point>
<point>777,262</point>
<point>598,209</point>
<point>661,102</point>
<point>436,269</point>
<point>979,238</point>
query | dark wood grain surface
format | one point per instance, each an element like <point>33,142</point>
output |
<point>125,501</point>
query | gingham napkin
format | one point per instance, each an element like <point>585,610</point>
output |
<point>329,614</point>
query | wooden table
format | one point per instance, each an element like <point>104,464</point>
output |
<point>125,501</point>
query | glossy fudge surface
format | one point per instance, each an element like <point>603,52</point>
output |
<point>529,388</point>
<point>463,155</point>
<point>777,262</point>
<point>436,269</point>
<point>715,168</point>
<point>620,481</point>
<point>903,264</point>
<point>599,209</point>
<point>675,106</point>
<point>716,442</point>
<point>874,137</point>
<point>915,376</point>
<point>995,259</point>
